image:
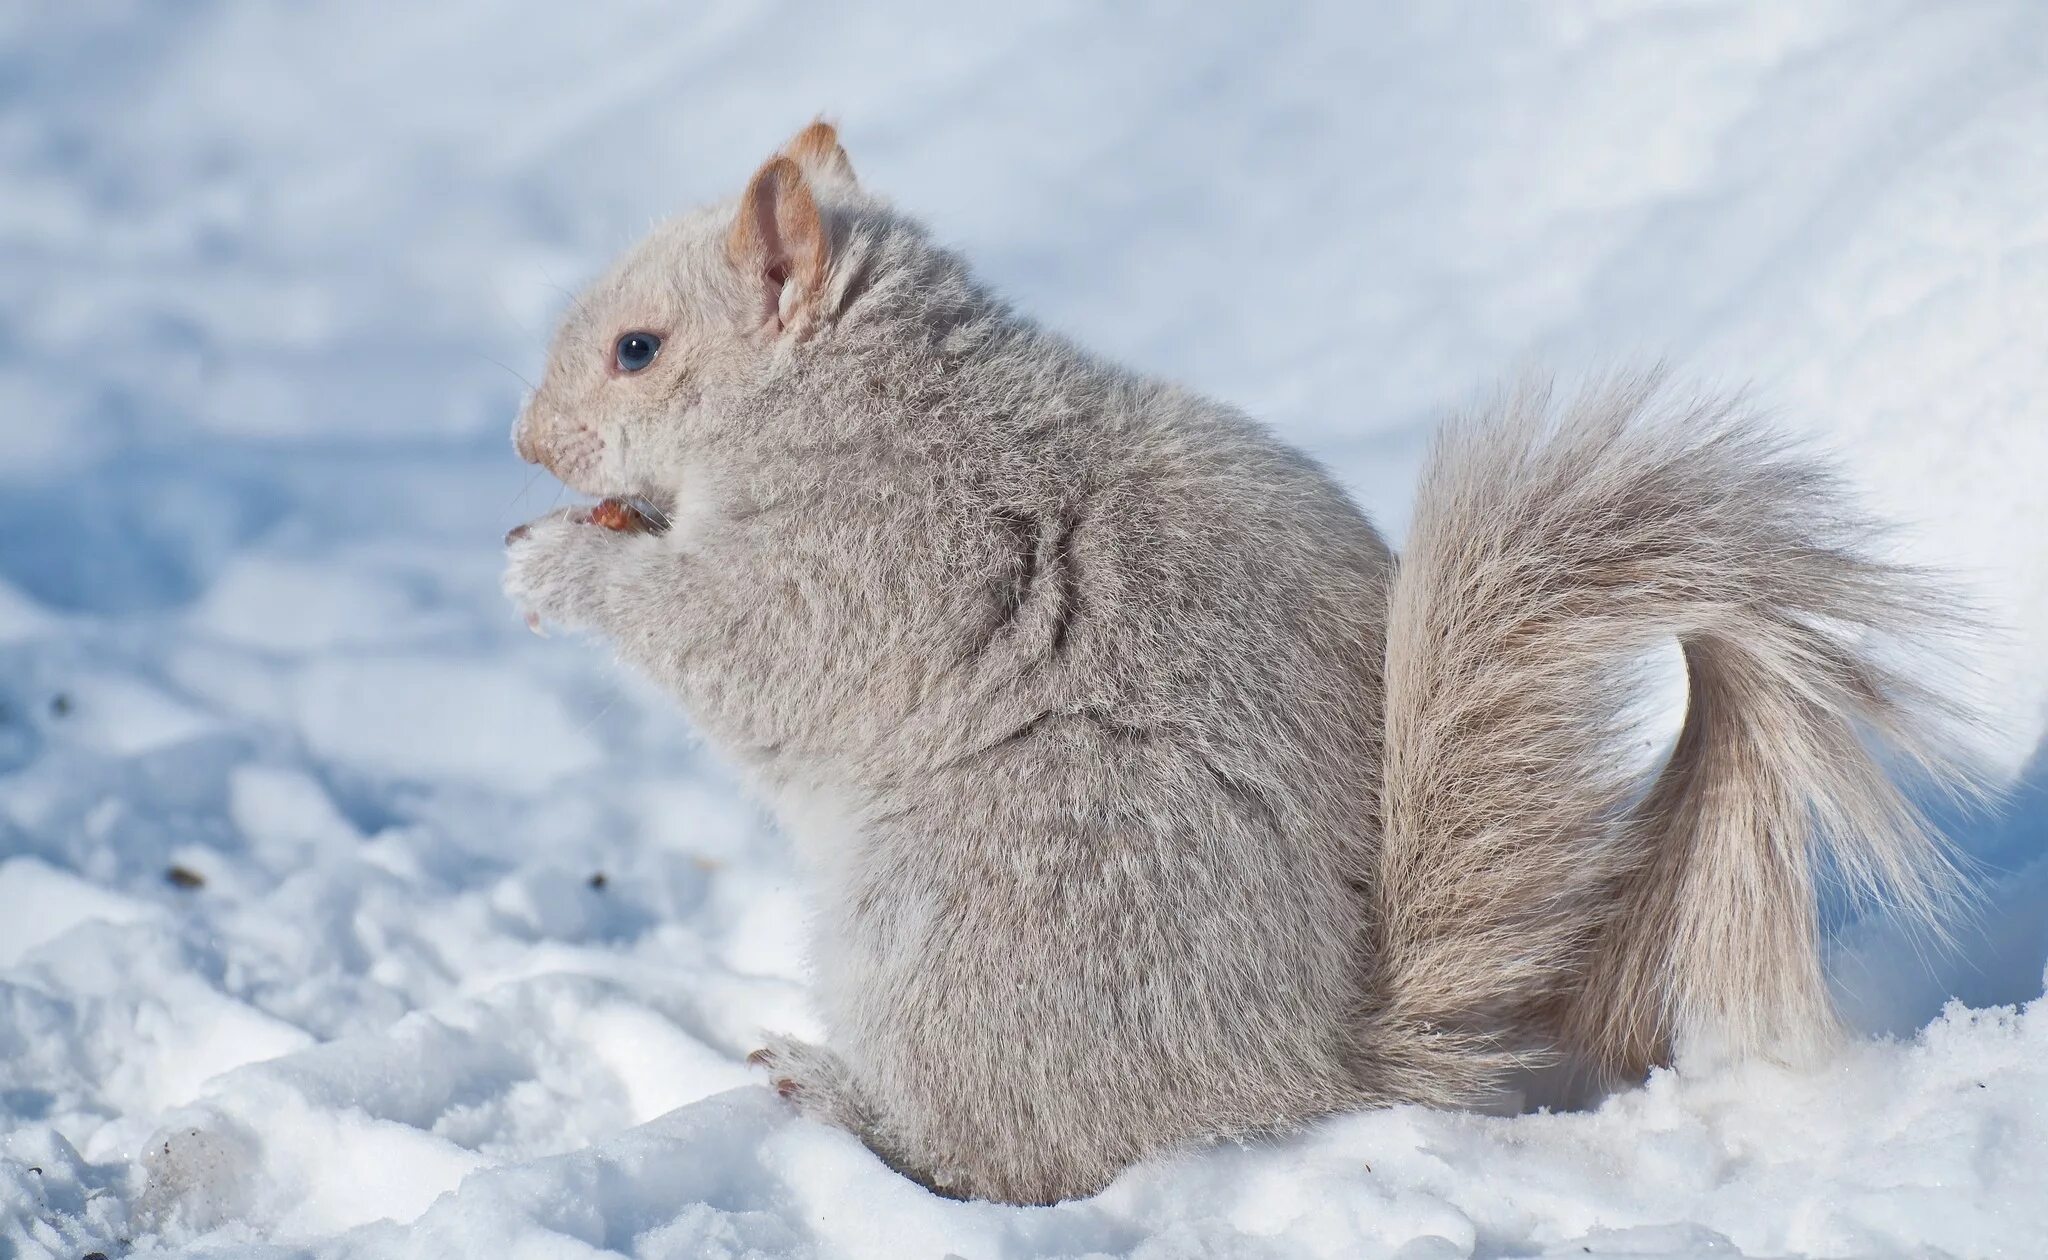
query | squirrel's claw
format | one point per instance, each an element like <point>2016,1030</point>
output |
<point>785,1086</point>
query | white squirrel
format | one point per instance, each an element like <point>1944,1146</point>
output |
<point>1148,799</point>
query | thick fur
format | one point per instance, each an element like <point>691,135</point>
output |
<point>1552,547</point>
<point>1137,815</point>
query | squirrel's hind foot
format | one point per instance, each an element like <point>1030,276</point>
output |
<point>816,1082</point>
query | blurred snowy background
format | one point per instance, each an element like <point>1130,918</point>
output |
<point>338,916</point>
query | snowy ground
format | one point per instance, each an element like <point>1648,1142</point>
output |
<point>474,940</point>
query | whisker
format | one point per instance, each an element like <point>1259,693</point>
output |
<point>576,298</point>
<point>527,488</point>
<point>531,388</point>
<point>650,512</point>
<point>598,716</point>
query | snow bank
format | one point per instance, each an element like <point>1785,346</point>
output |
<point>339,917</point>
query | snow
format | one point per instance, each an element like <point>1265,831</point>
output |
<point>43,903</point>
<point>479,937</point>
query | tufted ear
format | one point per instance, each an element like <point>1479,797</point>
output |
<point>778,243</point>
<point>817,150</point>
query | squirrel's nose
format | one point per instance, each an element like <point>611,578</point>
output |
<point>523,443</point>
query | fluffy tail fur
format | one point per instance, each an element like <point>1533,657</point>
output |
<point>1526,881</point>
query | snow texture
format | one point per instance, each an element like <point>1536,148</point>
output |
<point>340,917</point>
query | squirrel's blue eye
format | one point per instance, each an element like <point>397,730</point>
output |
<point>636,350</point>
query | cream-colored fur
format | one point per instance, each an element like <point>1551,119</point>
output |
<point>1147,799</point>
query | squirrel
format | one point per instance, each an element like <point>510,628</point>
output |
<point>1148,799</point>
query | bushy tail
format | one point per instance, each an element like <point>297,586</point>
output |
<point>1526,880</point>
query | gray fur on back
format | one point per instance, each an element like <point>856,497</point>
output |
<point>1144,801</point>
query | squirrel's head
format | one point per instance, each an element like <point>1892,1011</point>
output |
<point>708,304</point>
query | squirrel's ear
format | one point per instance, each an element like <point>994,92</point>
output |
<point>817,149</point>
<point>778,241</point>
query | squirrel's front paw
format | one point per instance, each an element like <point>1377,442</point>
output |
<point>553,565</point>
